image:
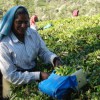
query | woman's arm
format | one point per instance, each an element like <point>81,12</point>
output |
<point>9,70</point>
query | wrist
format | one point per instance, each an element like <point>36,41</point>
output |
<point>55,59</point>
<point>40,75</point>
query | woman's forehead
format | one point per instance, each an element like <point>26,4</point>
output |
<point>22,17</point>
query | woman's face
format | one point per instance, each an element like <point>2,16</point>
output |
<point>20,24</point>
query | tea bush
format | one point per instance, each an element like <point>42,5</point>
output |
<point>77,42</point>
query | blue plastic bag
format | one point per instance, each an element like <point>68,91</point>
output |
<point>47,26</point>
<point>57,86</point>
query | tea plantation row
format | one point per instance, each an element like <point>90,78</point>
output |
<point>77,42</point>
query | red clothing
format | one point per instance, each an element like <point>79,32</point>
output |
<point>75,13</point>
<point>33,19</point>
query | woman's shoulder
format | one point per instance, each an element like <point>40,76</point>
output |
<point>5,39</point>
<point>3,44</point>
<point>34,34</point>
<point>31,31</point>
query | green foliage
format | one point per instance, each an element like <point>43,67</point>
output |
<point>41,3</point>
<point>77,42</point>
<point>27,92</point>
<point>16,2</point>
<point>64,70</point>
<point>54,9</point>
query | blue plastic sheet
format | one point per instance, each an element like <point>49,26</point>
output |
<point>57,86</point>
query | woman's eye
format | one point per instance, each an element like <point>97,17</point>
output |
<point>22,22</point>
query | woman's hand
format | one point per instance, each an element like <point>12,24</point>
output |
<point>57,62</point>
<point>44,75</point>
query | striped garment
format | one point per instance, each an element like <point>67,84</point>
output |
<point>15,54</point>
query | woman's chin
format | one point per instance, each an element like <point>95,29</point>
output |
<point>21,33</point>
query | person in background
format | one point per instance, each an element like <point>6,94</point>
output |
<point>19,48</point>
<point>33,21</point>
<point>75,13</point>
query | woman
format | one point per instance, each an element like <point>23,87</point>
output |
<point>20,46</point>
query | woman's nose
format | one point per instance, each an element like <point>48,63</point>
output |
<point>24,25</point>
